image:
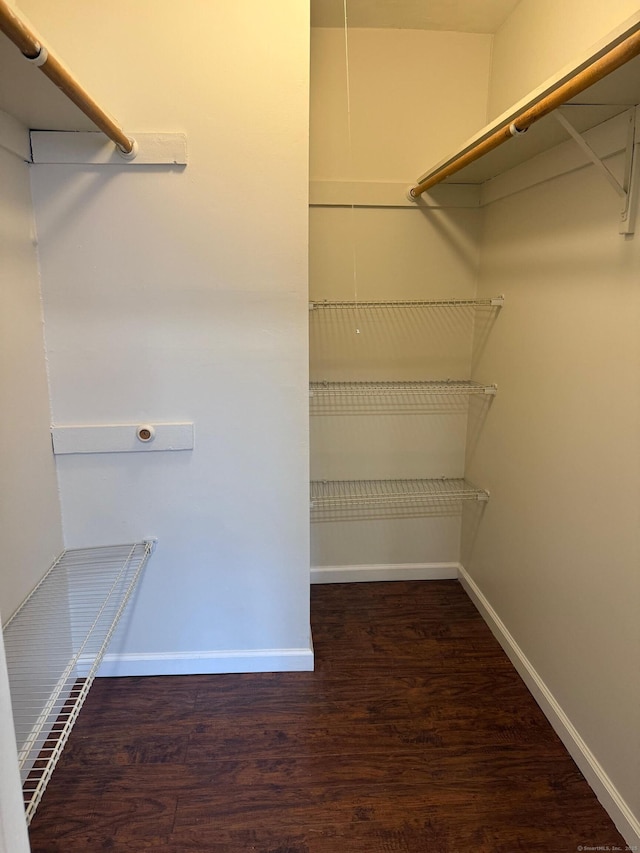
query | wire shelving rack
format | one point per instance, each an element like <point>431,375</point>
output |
<point>491,302</point>
<point>336,495</point>
<point>54,644</point>
<point>417,389</point>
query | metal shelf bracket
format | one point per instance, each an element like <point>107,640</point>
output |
<point>627,190</point>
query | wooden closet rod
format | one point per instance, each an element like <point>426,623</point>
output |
<point>28,44</point>
<point>617,56</point>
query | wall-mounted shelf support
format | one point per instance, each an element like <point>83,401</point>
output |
<point>591,154</point>
<point>625,189</point>
<point>632,167</point>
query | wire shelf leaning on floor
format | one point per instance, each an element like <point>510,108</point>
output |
<point>54,644</point>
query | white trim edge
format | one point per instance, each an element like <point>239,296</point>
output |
<point>94,148</point>
<point>121,438</point>
<point>207,663</point>
<point>391,572</point>
<point>606,792</point>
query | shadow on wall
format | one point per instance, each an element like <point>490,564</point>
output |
<point>472,514</point>
<point>477,414</point>
<point>86,183</point>
<point>465,250</point>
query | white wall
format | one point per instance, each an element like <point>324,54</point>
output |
<point>30,525</point>
<point>414,94</point>
<point>181,295</point>
<point>540,37</point>
<point>557,550</point>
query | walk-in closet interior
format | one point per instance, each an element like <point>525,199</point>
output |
<point>354,244</point>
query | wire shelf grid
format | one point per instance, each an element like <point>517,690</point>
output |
<point>346,494</point>
<point>54,644</point>
<point>491,302</point>
<point>390,389</point>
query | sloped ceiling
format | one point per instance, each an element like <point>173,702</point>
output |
<point>467,16</point>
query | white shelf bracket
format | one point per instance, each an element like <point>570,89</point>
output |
<point>626,190</point>
<point>631,174</point>
<point>591,154</point>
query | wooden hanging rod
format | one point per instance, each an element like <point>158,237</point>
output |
<point>25,40</point>
<point>617,56</point>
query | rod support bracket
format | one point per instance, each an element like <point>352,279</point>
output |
<point>410,196</point>
<point>150,544</point>
<point>41,57</point>
<point>129,155</point>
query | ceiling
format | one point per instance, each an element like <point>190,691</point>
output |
<point>467,16</point>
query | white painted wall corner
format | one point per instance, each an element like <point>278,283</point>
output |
<point>627,823</point>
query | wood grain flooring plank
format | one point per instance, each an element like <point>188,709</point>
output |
<point>153,747</point>
<point>413,735</point>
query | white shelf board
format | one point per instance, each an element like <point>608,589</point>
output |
<point>27,95</point>
<point>541,136</point>
<point>94,148</point>
<point>609,97</point>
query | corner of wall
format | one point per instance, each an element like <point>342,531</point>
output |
<point>627,823</point>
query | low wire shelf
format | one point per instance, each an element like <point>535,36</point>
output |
<point>54,644</point>
<point>332,495</point>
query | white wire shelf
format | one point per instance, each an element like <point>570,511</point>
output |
<point>54,644</point>
<point>417,389</point>
<point>493,302</point>
<point>348,494</point>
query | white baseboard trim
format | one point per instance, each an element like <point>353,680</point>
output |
<point>606,792</point>
<point>208,663</point>
<point>391,572</point>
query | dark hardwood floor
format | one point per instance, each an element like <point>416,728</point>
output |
<point>413,735</point>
